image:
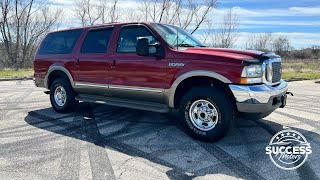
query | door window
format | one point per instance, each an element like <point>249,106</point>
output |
<point>96,41</point>
<point>129,36</point>
<point>61,42</point>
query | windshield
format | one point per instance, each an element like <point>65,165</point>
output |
<point>176,37</point>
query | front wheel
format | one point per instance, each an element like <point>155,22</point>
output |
<point>207,113</point>
<point>62,96</point>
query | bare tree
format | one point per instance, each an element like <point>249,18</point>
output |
<point>108,11</point>
<point>22,24</point>
<point>225,35</point>
<point>260,42</point>
<point>281,45</point>
<point>202,12</point>
<point>189,15</point>
<point>91,12</point>
<point>144,7</point>
<point>113,11</point>
<point>130,16</point>
<point>316,51</point>
<point>87,11</point>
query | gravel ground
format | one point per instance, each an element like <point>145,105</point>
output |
<point>103,142</point>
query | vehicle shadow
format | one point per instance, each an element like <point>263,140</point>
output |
<point>161,139</point>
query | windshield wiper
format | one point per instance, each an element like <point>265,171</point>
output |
<point>190,45</point>
<point>186,45</point>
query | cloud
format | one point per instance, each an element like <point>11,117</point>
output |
<point>303,11</point>
<point>290,18</point>
<point>283,23</point>
<point>62,2</point>
<point>284,12</point>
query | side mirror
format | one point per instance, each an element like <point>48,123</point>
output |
<point>160,53</point>
<point>143,47</point>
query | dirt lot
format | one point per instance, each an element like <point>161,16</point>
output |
<point>103,142</point>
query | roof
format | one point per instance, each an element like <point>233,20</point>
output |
<point>101,25</point>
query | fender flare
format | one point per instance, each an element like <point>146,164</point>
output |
<point>170,93</point>
<point>57,68</point>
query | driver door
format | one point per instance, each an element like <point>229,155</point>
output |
<point>137,77</point>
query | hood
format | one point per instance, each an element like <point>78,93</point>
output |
<point>249,56</point>
<point>230,53</point>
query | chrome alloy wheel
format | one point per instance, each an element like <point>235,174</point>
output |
<point>203,115</point>
<point>60,96</point>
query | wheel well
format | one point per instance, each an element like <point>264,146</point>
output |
<point>56,74</point>
<point>197,81</point>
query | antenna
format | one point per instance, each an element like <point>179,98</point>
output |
<point>177,37</point>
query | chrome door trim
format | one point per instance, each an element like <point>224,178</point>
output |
<point>81,84</point>
<point>107,86</point>
<point>136,88</point>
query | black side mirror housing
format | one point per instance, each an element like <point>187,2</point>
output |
<point>160,52</point>
<point>143,47</point>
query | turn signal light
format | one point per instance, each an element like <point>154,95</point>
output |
<point>251,80</point>
<point>243,80</point>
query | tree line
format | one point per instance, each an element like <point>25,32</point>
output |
<point>23,23</point>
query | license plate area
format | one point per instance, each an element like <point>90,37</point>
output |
<point>280,100</point>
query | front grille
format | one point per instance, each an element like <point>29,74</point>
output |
<point>276,71</point>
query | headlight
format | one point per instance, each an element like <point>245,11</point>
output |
<point>251,74</point>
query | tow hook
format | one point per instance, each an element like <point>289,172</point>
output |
<point>289,93</point>
<point>284,99</point>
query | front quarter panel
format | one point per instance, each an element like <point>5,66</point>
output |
<point>225,72</point>
<point>179,70</point>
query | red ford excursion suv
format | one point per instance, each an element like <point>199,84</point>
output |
<point>159,67</point>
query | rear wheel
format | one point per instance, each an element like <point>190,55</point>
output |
<point>207,113</point>
<point>62,96</point>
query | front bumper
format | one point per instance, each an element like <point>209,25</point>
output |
<point>259,98</point>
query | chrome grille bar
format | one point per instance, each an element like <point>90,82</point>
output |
<point>273,65</point>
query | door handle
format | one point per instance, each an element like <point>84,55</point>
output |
<point>77,61</point>
<point>113,64</point>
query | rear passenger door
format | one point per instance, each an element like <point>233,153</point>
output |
<point>92,62</point>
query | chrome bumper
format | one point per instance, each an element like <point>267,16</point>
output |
<point>258,98</point>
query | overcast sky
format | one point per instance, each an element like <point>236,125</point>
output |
<point>299,20</point>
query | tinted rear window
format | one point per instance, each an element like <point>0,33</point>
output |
<point>60,42</point>
<point>97,41</point>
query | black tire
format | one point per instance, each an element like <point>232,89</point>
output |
<point>255,116</point>
<point>222,103</point>
<point>70,102</point>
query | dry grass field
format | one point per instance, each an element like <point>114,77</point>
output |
<point>301,69</point>
<point>292,69</point>
<point>9,73</point>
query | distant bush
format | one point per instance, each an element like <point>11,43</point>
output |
<point>301,54</point>
<point>315,50</point>
<point>308,53</point>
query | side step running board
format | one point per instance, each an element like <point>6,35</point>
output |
<point>141,105</point>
